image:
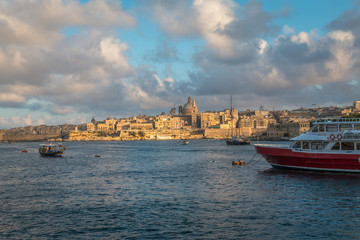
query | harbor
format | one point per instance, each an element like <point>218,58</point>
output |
<point>165,190</point>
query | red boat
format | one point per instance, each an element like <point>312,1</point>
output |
<point>332,144</point>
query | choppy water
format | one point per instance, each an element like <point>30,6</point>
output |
<point>162,190</point>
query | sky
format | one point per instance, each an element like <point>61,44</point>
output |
<point>66,61</point>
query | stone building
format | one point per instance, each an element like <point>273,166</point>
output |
<point>283,130</point>
<point>189,112</point>
<point>357,106</point>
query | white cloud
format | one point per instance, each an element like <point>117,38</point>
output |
<point>263,46</point>
<point>11,97</point>
<point>44,70</point>
<point>341,36</point>
<point>288,30</point>
<point>213,17</point>
<point>40,22</point>
<point>302,37</point>
<point>342,51</point>
<point>8,122</point>
<point>163,85</point>
<point>114,54</point>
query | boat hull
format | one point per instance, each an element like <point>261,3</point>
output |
<point>237,142</point>
<point>51,154</point>
<point>286,158</point>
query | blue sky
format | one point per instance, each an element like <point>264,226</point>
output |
<point>66,61</point>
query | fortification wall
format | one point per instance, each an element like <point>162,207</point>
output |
<point>43,137</point>
<point>216,133</point>
<point>224,133</point>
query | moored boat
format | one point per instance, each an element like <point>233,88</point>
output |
<point>331,144</point>
<point>184,142</point>
<point>51,150</point>
<point>235,140</point>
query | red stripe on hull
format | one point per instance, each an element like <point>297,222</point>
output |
<point>281,157</point>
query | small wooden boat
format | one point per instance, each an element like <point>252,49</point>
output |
<point>184,142</point>
<point>237,141</point>
<point>51,150</point>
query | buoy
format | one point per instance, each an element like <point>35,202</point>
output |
<point>242,163</point>
<point>24,151</point>
<point>97,155</point>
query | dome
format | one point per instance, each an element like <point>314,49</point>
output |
<point>188,107</point>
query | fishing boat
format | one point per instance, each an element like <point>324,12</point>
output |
<point>184,142</point>
<point>331,144</point>
<point>235,140</point>
<point>51,150</point>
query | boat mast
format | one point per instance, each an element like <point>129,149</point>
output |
<point>231,115</point>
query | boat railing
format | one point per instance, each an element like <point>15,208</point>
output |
<point>273,145</point>
<point>335,120</point>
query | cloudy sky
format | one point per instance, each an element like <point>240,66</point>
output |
<point>64,61</point>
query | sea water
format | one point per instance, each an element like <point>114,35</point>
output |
<point>164,190</point>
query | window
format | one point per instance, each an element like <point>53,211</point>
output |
<point>336,146</point>
<point>347,146</point>
<point>357,126</point>
<point>321,128</point>
<point>331,128</point>
<point>297,145</point>
<point>344,127</point>
<point>306,145</point>
<point>317,145</point>
<point>358,146</point>
<point>315,129</point>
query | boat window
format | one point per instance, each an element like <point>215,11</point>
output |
<point>331,128</point>
<point>357,145</point>
<point>321,128</point>
<point>306,145</point>
<point>315,129</point>
<point>347,146</point>
<point>317,145</point>
<point>336,146</point>
<point>344,127</point>
<point>357,126</point>
<point>297,145</point>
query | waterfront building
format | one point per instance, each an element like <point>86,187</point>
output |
<point>101,126</point>
<point>208,119</point>
<point>357,106</point>
<point>2,133</point>
<point>168,122</point>
<point>189,112</point>
<point>141,125</point>
<point>90,127</point>
<point>283,130</point>
<point>110,124</point>
<point>256,124</point>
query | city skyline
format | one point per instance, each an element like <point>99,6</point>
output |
<point>66,61</point>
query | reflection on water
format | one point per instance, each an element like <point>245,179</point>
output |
<point>163,190</point>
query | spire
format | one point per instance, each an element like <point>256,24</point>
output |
<point>189,99</point>
<point>193,102</point>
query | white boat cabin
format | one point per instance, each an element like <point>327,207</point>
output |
<point>330,135</point>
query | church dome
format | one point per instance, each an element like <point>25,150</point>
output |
<point>189,107</point>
